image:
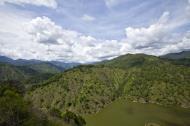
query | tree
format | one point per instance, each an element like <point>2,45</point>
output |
<point>73,119</point>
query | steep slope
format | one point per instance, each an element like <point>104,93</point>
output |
<point>15,111</point>
<point>142,78</point>
<point>25,74</point>
<point>151,79</point>
<point>85,89</point>
<point>10,72</point>
<point>45,68</point>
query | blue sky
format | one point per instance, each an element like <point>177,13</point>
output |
<point>92,30</point>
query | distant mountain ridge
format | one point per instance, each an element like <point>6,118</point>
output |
<point>181,58</point>
<point>22,62</point>
<point>23,71</point>
<point>179,55</point>
<point>24,74</point>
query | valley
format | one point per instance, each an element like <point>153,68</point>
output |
<point>122,113</point>
<point>94,62</point>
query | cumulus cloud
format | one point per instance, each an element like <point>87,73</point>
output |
<point>46,3</point>
<point>45,40</point>
<point>41,38</point>
<point>86,17</point>
<point>143,37</point>
<point>69,45</point>
<point>45,31</point>
<point>158,38</point>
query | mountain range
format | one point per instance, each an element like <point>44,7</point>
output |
<point>30,71</point>
<point>180,55</point>
<point>135,77</point>
<point>23,62</point>
<point>66,93</point>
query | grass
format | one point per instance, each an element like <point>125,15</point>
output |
<point>122,113</point>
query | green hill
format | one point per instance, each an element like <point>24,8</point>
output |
<point>26,74</point>
<point>44,68</point>
<point>10,72</point>
<point>88,88</point>
<point>131,61</point>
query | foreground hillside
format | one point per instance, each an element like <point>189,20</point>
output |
<point>140,78</point>
<point>15,111</point>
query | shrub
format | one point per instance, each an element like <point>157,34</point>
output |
<point>73,119</point>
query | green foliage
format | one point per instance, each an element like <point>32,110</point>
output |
<point>44,68</point>
<point>184,62</point>
<point>167,85</point>
<point>14,111</point>
<point>71,118</point>
<point>130,61</point>
<point>87,89</point>
<point>83,90</point>
<point>9,72</point>
<point>55,112</point>
<point>29,74</point>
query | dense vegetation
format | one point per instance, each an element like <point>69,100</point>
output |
<point>87,89</point>
<point>28,74</point>
<point>73,119</point>
<point>14,111</point>
<point>151,79</point>
<point>82,90</point>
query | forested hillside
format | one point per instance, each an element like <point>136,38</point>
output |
<point>26,74</point>
<point>15,111</point>
<point>141,78</point>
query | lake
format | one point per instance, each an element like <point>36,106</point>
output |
<point>122,113</point>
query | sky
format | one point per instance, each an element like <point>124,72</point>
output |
<point>92,30</point>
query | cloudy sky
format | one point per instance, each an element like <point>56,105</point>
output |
<point>92,30</point>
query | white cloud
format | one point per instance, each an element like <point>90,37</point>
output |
<point>158,38</point>
<point>67,44</point>
<point>45,40</point>
<point>142,37</point>
<point>111,3</point>
<point>45,31</point>
<point>12,33</point>
<point>86,17</point>
<point>46,3</point>
<point>22,36</point>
